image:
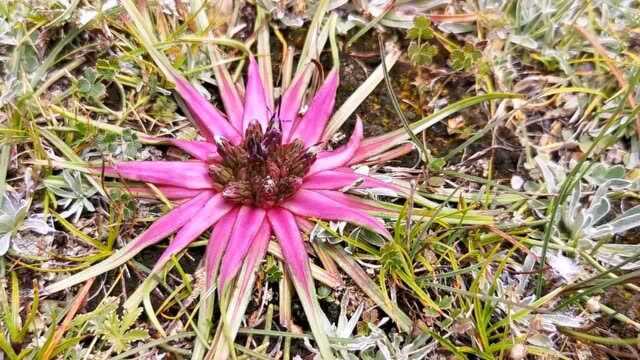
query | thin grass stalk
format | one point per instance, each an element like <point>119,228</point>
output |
<point>264,54</point>
<point>361,278</point>
<point>5,156</point>
<point>309,49</point>
<point>396,103</point>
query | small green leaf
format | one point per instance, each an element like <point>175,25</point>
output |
<point>84,86</point>
<point>273,271</point>
<point>422,54</point>
<point>107,68</point>
<point>437,164</point>
<point>116,330</point>
<point>90,75</point>
<point>421,29</point>
<point>163,109</point>
<point>130,144</point>
<point>124,146</point>
<point>98,90</point>
<point>106,142</point>
<point>124,203</point>
<point>89,85</point>
<point>463,59</point>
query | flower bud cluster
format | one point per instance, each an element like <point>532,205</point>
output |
<point>261,171</point>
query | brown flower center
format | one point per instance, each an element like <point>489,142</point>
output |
<point>261,171</point>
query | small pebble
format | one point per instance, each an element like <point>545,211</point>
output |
<point>516,182</point>
<point>593,305</point>
<point>518,352</point>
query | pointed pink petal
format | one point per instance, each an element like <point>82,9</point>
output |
<point>259,245</point>
<point>201,150</point>
<point>380,139</point>
<point>255,100</point>
<point>295,256</point>
<point>217,243</point>
<point>364,155</point>
<point>371,147</point>
<point>344,177</point>
<point>186,174</point>
<point>208,119</point>
<point>170,192</point>
<point>304,224</point>
<point>163,227</point>
<point>284,226</point>
<point>341,156</point>
<point>312,125</point>
<point>309,203</point>
<point>210,213</point>
<point>349,201</point>
<point>247,225</point>
<point>291,101</point>
<point>255,254</point>
<point>170,222</point>
<point>243,288</point>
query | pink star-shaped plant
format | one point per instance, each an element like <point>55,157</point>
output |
<point>261,171</point>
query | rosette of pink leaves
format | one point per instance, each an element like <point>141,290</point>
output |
<point>273,178</point>
<point>260,172</point>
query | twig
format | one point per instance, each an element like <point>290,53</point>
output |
<point>511,239</point>
<point>453,18</point>
<point>75,306</point>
